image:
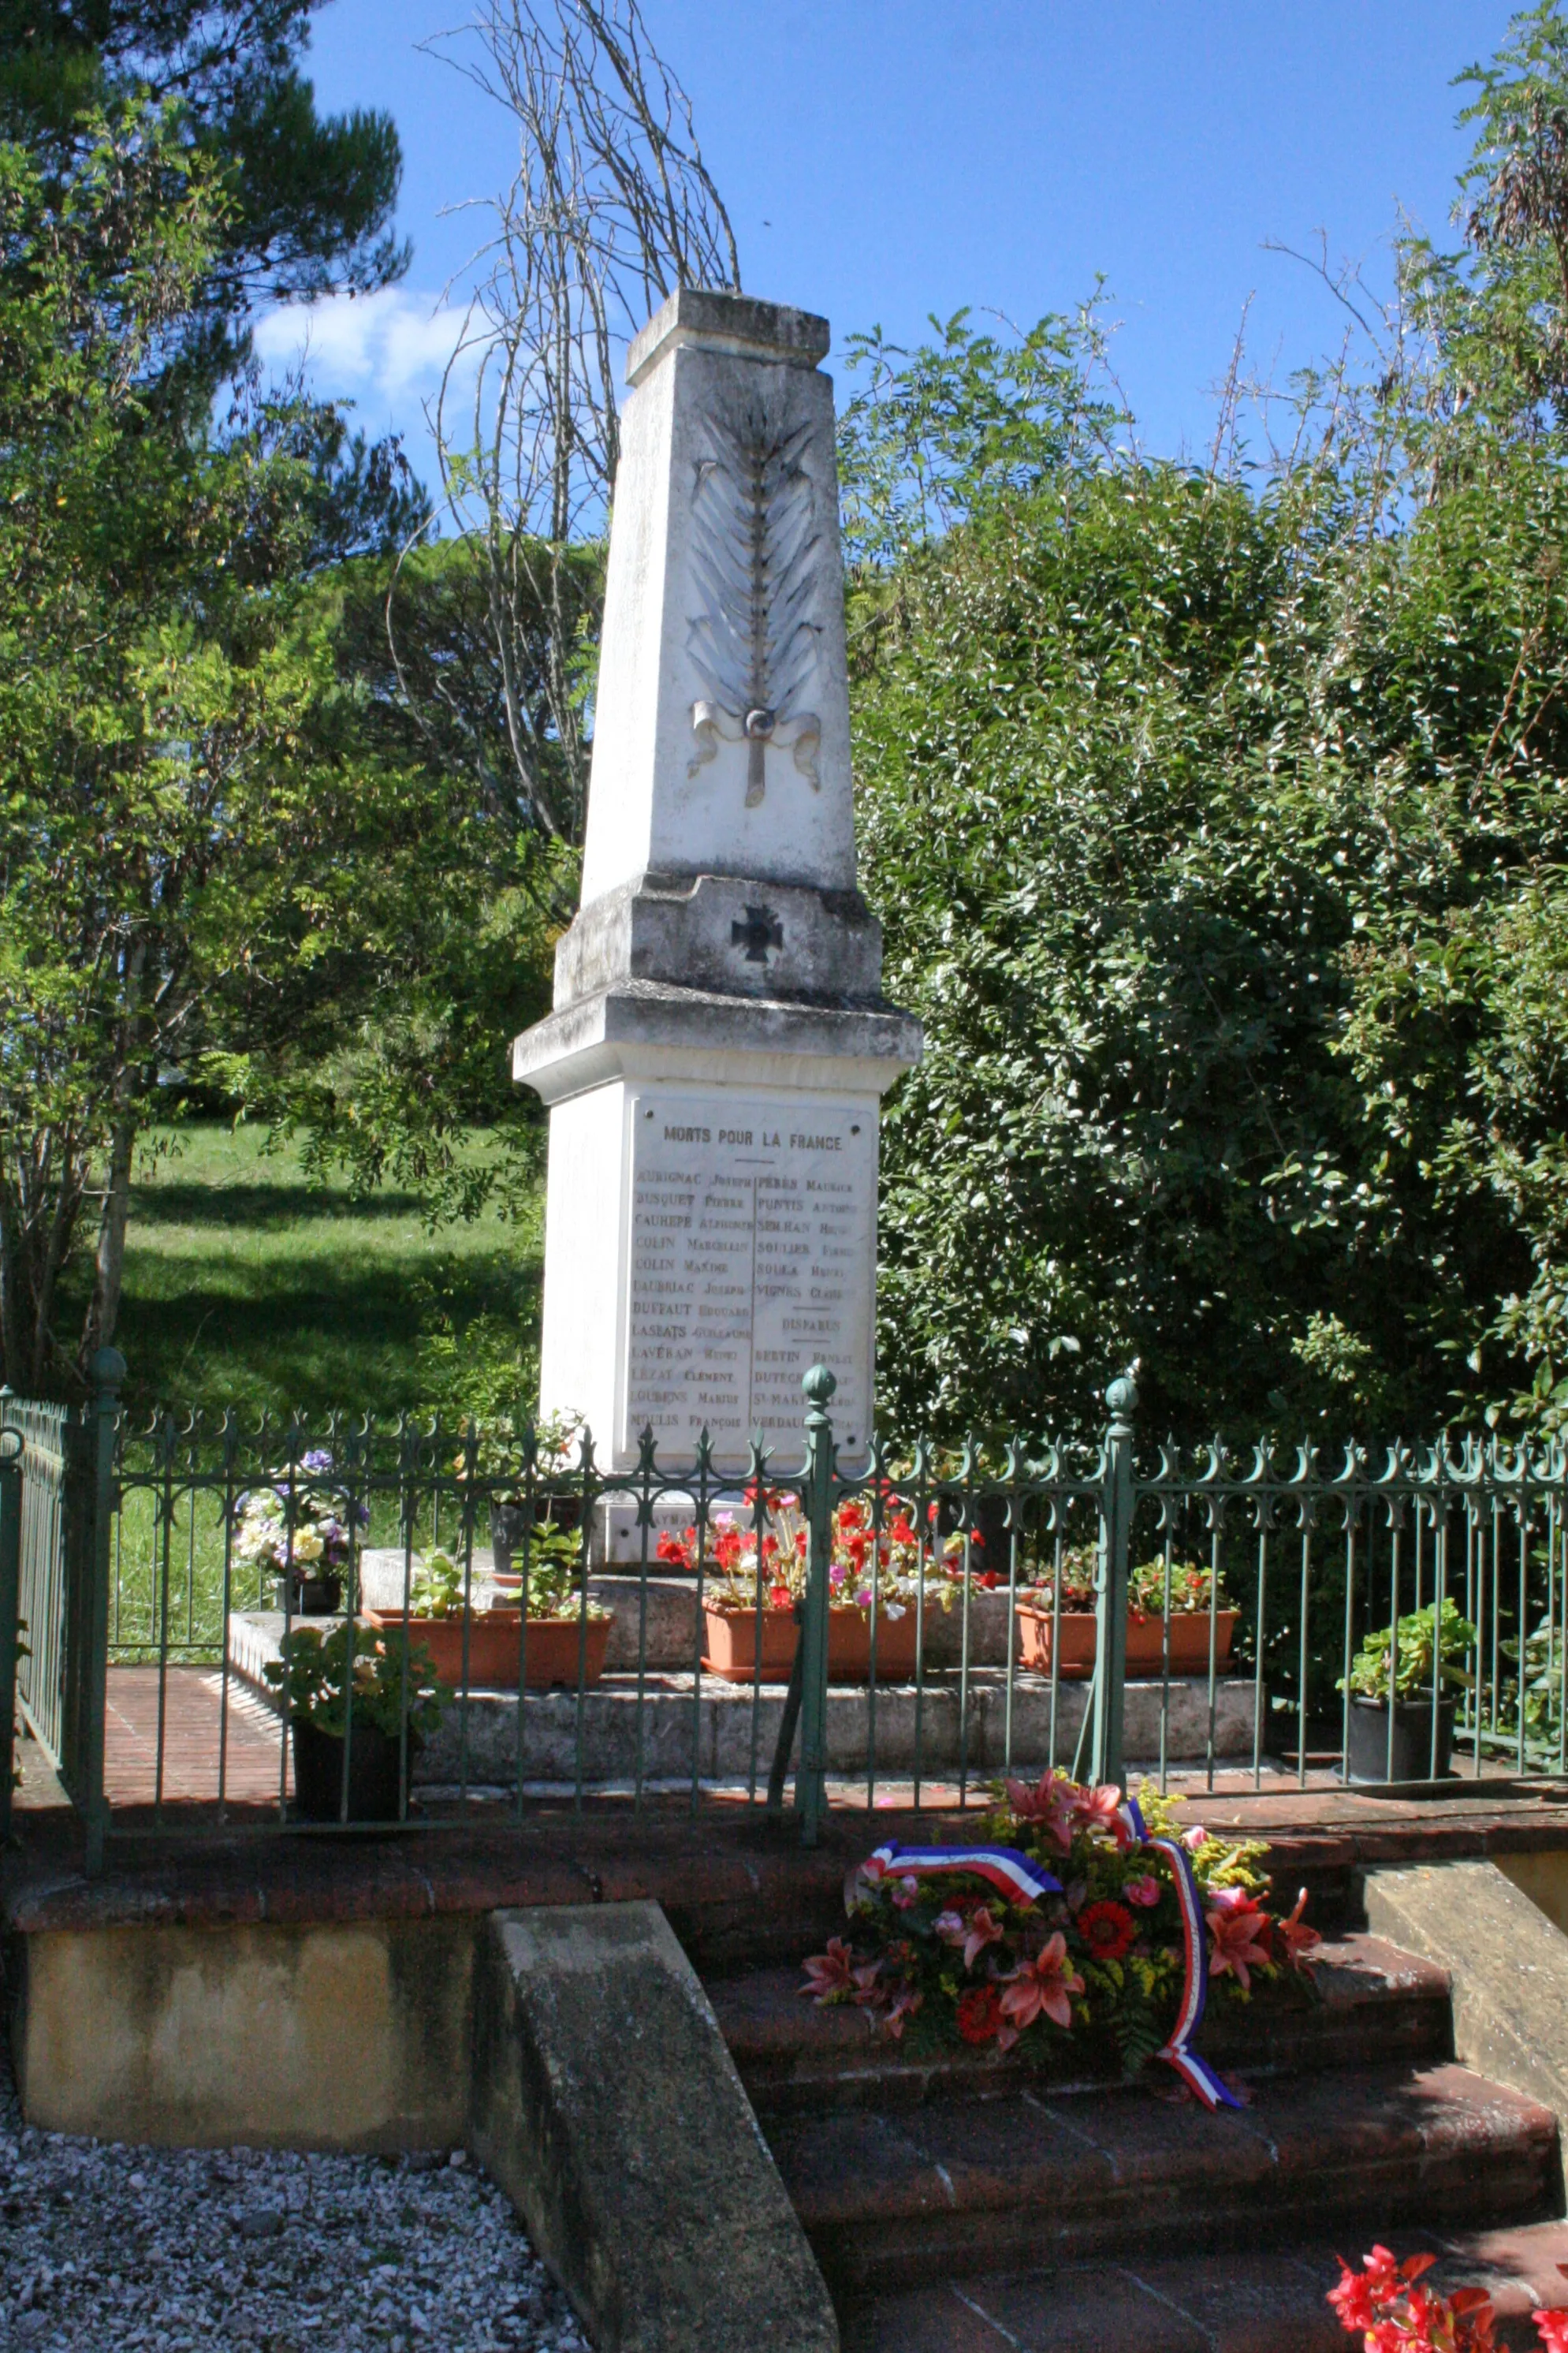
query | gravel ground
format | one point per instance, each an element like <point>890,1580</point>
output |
<point>104,2249</point>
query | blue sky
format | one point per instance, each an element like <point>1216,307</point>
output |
<point>882,159</point>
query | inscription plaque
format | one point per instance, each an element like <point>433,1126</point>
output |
<point>753,1243</point>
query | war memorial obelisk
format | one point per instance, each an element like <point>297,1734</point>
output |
<point>719,1047</point>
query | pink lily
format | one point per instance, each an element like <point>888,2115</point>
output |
<point>1043,1984</point>
<point>1298,1939</point>
<point>1235,1948</point>
<point>1051,1794</point>
<point>829,1973</point>
<point>983,1930</point>
<point>950,1926</point>
<point>868,1994</point>
<point>906,2006</point>
<point>1100,1810</point>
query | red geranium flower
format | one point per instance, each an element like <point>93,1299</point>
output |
<point>980,2013</point>
<point>1108,1930</point>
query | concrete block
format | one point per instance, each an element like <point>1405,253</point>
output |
<point>1508,1963</point>
<point>605,2102</point>
<point>334,2035</point>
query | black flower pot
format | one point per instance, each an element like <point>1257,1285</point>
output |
<point>1367,1756</point>
<point>510,1522</point>
<point>372,1773</point>
<point>313,1597</point>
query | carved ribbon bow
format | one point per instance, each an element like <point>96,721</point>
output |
<point>800,735</point>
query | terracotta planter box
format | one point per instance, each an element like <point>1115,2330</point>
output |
<point>494,1637</point>
<point>1145,1642</point>
<point>849,1647</point>
<point>729,1644</point>
<point>730,1649</point>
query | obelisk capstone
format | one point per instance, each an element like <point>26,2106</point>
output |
<point>720,1045</point>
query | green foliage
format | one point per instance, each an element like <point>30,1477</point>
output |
<point>1420,1632</point>
<point>952,432</point>
<point>1216,827</point>
<point>437,1586</point>
<point>306,199</point>
<point>310,1677</point>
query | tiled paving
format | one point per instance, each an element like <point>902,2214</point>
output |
<point>209,1750</point>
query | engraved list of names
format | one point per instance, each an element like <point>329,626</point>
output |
<point>752,1257</point>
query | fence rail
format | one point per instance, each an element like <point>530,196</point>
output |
<point>365,1620</point>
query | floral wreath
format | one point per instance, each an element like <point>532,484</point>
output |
<point>1081,1909</point>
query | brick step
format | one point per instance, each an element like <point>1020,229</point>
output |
<point>1269,2302</point>
<point>890,2198</point>
<point>1377,2006</point>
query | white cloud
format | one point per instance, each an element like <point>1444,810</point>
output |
<point>395,342</point>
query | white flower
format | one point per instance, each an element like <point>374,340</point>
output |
<point>308,1544</point>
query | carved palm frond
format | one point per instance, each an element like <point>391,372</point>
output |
<point>753,546</point>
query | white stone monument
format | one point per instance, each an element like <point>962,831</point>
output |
<point>720,1045</point>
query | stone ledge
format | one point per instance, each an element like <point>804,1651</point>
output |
<point>617,1031</point>
<point>740,1889</point>
<point>1509,1965</point>
<point>605,2104</point>
<point>634,1726</point>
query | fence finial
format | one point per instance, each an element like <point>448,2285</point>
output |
<point>109,1369</point>
<point>819,1385</point>
<point>1122,1396</point>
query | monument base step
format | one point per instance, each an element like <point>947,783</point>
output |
<point>646,1729</point>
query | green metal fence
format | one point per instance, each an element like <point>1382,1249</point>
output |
<point>261,1601</point>
<point>53,1653</point>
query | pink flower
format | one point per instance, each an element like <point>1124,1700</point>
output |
<point>868,1993</point>
<point>907,2005</point>
<point>1043,1984</point>
<point>983,1930</point>
<point>1299,1940</point>
<point>1194,1839</point>
<point>905,1893</point>
<point>1144,1890</point>
<point>1235,1950</point>
<point>1049,1803</point>
<point>1051,1794</point>
<point>949,1926</point>
<point>828,1974</point>
<point>1552,2328</point>
<point>1100,1810</point>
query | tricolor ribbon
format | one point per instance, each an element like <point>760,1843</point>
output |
<point>1196,2072</point>
<point>1010,1873</point>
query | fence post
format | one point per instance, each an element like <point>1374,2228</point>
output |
<point>107,1373</point>
<point>10,1603</point>
<point>1111,1601</point>
<point>811,1782</point>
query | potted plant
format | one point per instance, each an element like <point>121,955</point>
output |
<point>302,1534</point>
<point>441,1619</point>
<point>328,1704</point>
<point>865,1562</point>
<point>1391,1737</point>
<point>514,1514</point>
<point>1198,1612</point>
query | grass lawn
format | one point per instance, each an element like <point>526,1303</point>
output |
<point>247,1285</point>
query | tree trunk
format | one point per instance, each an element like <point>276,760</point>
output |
<point>103,1314</point>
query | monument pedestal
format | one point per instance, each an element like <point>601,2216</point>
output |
<point>720,1045</point>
